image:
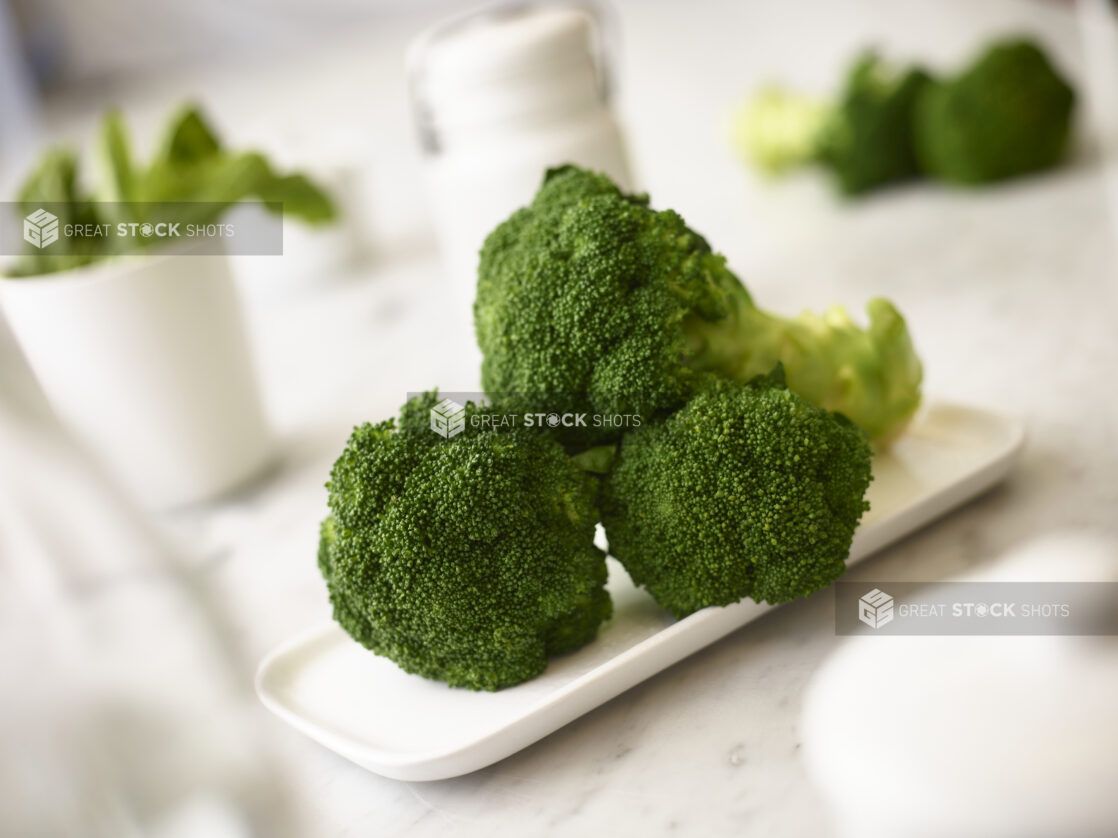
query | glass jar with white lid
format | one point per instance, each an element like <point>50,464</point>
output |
<point>500,96</point>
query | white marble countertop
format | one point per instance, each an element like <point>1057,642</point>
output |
<point>1010,293</point>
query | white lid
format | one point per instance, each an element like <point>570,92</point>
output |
<point>504,61</point>
<point>509,41</point>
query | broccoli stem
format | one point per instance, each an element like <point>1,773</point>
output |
<point>871,375</point>
<point>779,129</point>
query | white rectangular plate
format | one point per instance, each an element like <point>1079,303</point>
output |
<point>403,726</point>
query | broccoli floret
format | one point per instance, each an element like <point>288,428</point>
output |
<point>747,491</point>
<point>589,302</point>
<point>864,138</point>
<point>580,300</point>
<point>470,559</point>
<point>1008,114</point>
<point>867,143</point>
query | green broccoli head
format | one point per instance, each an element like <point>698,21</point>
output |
<point>867,142</point>
<point>580,301</point>
<point>591,302</point>
<point>747,491</point>
<point>468,560</point>
<point>1008,114</point>
<point>864,137</point>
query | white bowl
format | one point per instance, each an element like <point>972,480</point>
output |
<point>146,359</point>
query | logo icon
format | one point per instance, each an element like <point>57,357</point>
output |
<point>40,228</point>
<point>875,609</point>
<point>448,418</point>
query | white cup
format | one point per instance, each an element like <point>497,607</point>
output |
<point>146,359</point>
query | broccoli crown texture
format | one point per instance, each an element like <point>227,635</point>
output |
<point>1008,114</point>
<point>747,491</point>
<point>580,298</point>
<point>591,302</point>
<point>469,560</point>
<point>867,142</point>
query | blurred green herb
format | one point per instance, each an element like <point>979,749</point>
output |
<point>189,169</point>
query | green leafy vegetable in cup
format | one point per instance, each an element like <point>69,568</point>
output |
<point>189,169</point>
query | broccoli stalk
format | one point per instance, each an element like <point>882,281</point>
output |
<point>747,491</point>
<point>870,375</point>
<point>591,302</point>
<point>468,560</point>
<point>779,129</point>
<point>864,137</point>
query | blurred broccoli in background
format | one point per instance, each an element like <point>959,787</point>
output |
<point>589,301</point>
<point>747,491</point>
<point>1007,114</point>
<point>779,129</point>
<point>864,138</point>
<point>470,559</point>
<point>867,142</point>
